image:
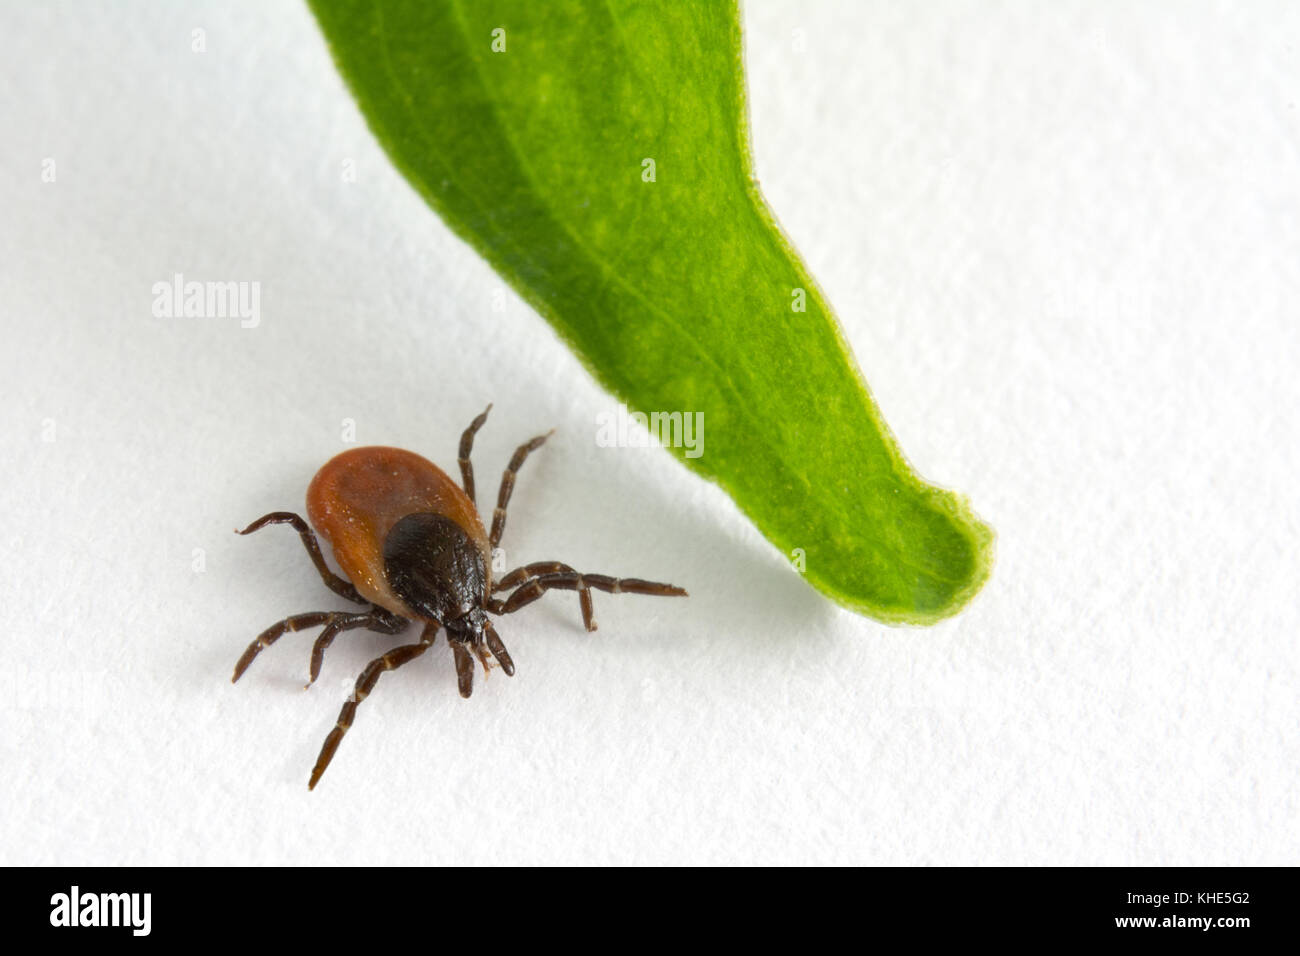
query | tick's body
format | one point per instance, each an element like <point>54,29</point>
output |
<point>357,497</point>
<point>412,546</point>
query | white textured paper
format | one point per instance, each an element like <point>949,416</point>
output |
<point>1064,241</point>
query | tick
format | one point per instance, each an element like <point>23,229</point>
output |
<point>413,549</point>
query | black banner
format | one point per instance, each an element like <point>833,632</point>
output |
<point>135,906</point>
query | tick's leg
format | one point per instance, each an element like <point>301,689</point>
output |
<point>535,587</point>
<point>520,575</point>
<point>508,484</point>
<point>466,446</point>
<point>332,581</point>
<point>377,620</point>
<point>268,637</point>
<point>365,684</point>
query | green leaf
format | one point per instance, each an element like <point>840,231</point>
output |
<point>527,127</point>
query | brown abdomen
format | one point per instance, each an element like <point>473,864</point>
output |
<point>360,494</point>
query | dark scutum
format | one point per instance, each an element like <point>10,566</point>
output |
<point>433,565</point>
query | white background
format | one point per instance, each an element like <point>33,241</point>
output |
<point>1064,242</point>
